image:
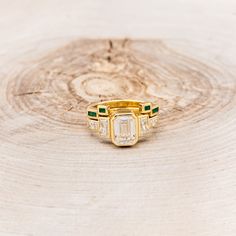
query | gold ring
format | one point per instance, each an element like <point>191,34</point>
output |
<point>123,122</point>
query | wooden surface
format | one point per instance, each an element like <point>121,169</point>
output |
<point>57,57</point>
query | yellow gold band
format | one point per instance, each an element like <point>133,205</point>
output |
<point>122,121</point>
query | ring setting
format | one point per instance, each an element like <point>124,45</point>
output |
<point>124,122</point>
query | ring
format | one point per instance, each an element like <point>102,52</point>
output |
<point>124,122</point>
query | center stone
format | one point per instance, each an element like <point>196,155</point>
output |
<point>125,131</point>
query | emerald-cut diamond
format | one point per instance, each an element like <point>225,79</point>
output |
<point>125,129</point>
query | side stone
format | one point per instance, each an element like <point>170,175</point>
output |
<point>93,124</point>
<point>153,121</point>
<point>104,127</point>
<point>144,124</point>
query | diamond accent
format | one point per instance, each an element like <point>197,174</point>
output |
<point>92,113</point>
<point>125,130</point>
<point>104,127</point>
<point>153,121</point>
<point>144,125</point>
<point>93,124</point>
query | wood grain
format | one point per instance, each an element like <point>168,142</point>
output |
<point>61,85</point>
<point>58,179</point>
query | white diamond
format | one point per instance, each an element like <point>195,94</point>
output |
<point>125,129</point>
<point>93,124</point>
<point>144,126</point>
<point>153,121</point>
<point>104,127</point>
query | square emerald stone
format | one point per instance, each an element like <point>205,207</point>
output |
<point>147,107</point>
<point>102,110</point>
<point>92,113</point>
<point>155,110</point>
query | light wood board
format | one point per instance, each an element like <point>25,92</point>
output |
<point>56,57</point>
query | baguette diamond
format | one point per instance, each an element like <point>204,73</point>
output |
<point>144,126</point>
<point>104,127</point>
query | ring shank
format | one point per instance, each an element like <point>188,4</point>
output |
<point>118,104</point>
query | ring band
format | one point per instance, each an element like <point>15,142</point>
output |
<point>123,122</point>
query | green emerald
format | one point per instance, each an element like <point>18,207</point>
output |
<point>102,110</point>
<point>155,110</point>
<point>147,107</point>
<point>92,113</point>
